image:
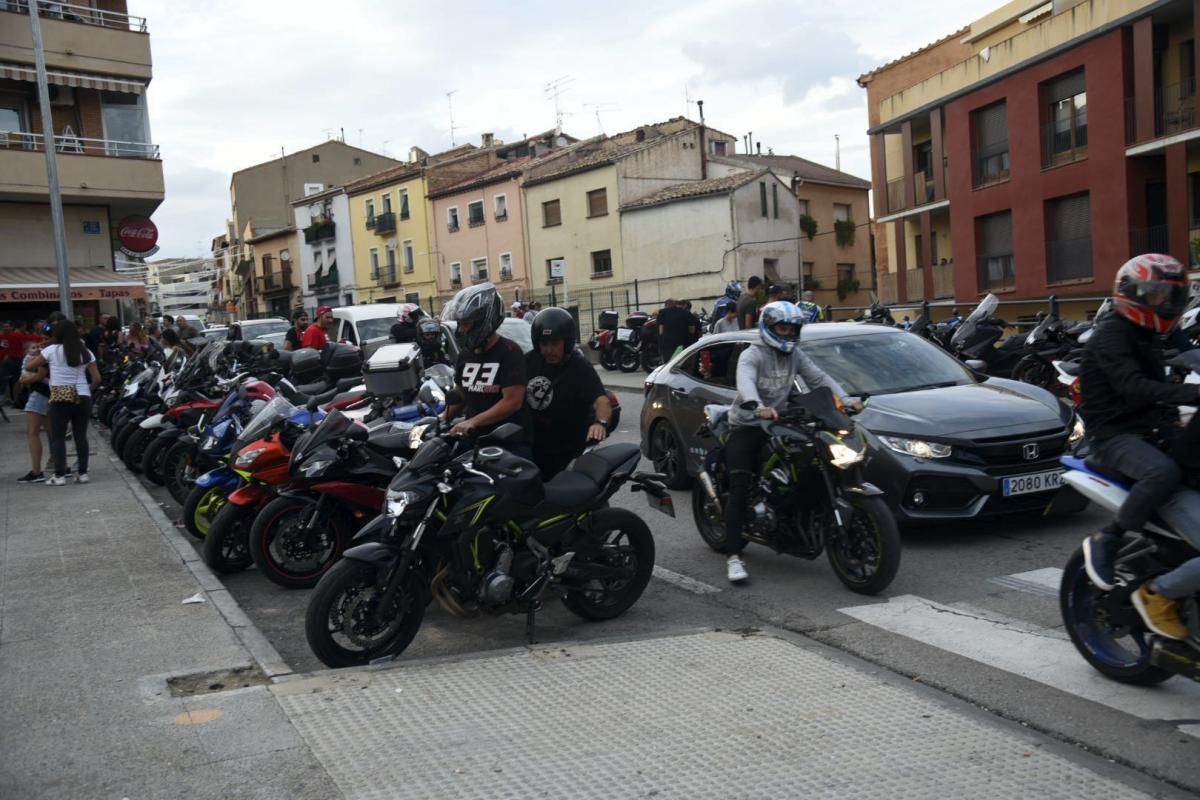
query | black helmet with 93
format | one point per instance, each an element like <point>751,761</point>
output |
<point>477,310</point>
<point>552,324</point>
<point>1151,291</point>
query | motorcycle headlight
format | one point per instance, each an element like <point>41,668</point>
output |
<point>395,503</point>
<point>1077,433</point>
<point>209,443</point>
<point>247,457</point>
<point>842,456</point>
<point>917,448</point>
<point>314,468</point>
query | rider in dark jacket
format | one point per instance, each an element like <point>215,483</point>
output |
<point>1124,391</point>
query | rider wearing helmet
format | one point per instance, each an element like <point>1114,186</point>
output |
<point>767,372</point>
<point>405,329</point>
<point>490,369</point>
<point>565,397</point>
<point>429,339</point>
<point>1124,391</point>
<point>733,290</point>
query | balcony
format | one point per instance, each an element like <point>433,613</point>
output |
<point>887,288</point>
<point>386,275</point>
<point>923,188</point>
<point>280,281</point>
<point>89,170</point>
<point>1149,240</point>
<point>895,196</point>
<point>78,38</point>
<point>318,231</point>
<point>943,281</point>
<point>327,279</point>
<point>914,284</point>
<point>385,223</point>
<point>1174,111</point>
<point>997,273</point>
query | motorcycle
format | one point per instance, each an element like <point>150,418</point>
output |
<point>809,495</point>
<point>631,340</point>
<point>474,527</point>
<point>975,340</point>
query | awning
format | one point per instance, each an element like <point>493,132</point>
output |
<point>40,285</point>
<point>76,79</point>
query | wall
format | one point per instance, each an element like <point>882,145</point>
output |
<point>909,71</point>
<point>673,160</point>
<point>824,251</point>
<point>341,245</point>
<point>278,303</point>
<point>1030,185</point>
<point>28,236</point>
<point>577,237</point>
<point>775,236</point>
<point>86,179</point>
<point>77,47</point>
<point>679,249</point>
<point>488,240</point>
<point>416,228</point>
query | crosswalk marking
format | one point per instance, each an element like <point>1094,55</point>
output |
<point>684,582</point>
<point>1039,581</point>
<point>1040,654</point>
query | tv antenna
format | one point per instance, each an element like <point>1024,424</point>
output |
<point>450,103</point>
<point>688,102</point>
<point>554,91</point>
<point>597,108</point>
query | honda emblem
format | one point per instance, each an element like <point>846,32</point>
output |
<point>1030,451</point>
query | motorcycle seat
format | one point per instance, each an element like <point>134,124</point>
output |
<point>311,389</point>
<point>570,489</point>
<point>1072,368</point>
<point>389,442</point>
<point>602,462</point>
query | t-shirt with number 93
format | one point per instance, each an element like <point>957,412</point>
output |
<point>483,377</point>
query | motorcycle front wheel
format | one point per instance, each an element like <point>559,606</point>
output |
<point>288,551</point>
<point>177,470</point>
<point>341,625</point>
<point>225,549</point>
<point>200,509</point>
<point>628,544</point>
<point>608,359</point>
<point>628,359</point>
<point>866,557</point>
<point>135,447</point>
<point>152,458</point>
<point>1036,372</point>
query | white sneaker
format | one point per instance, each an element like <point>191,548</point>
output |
<point>737,569</point>
<point>82,477</point>
<point>56,480</point>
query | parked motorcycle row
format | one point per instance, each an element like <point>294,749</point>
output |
<point>324,471</point>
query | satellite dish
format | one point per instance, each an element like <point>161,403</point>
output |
<point>561,141</point>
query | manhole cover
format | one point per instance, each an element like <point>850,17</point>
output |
<point>221,680</point>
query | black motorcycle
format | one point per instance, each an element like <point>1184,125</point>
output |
<point>475,528</point>
<point>809,495</point>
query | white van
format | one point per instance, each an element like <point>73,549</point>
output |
<point>367,326</point>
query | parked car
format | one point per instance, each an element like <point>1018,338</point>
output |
<point>510,328</point>
<point>945,442</point>
<point>367,326</point>
<point>192,321</point>
<point>258,328</point>
<point>215,333</point>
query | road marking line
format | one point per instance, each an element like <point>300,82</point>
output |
<point>1040,654</point>
<point>1039,581</point>
<point>684,582</point>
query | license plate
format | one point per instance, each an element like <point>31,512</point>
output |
<point>624,334</point>
<point>1035,482</point>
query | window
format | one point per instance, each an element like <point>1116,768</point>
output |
<point>597,202</point>
<point>551,214</point>
<point>404,213</point>
<point>412,297</point>
<point>841,212</point>
<point>386,203</point>
<point>718,148</point>
<point>770,269</point>
<point>996,269</point>
<point>370,213</point>
<point>806,269</point>
<point>762,197</point>
<point>602,264</point>
<point>374,263</point>
<point>1069,238</point>
<point>845,273</point>
<point>1194,182</point>
<point>456,273</point>
<point>479,270</point>
<point>408,256</point>
<point>126,124</point>
<point>1187,68</point>
<point>989,127</point>
<point>452,218</point>
<point>390,275</point>
<point>316,158</point>
<point>715,364</point>
<point>803,208</point>
<point>357,161</point>
<point>475,213</point>
<point>1066,114</point>
<point>501,202</point>
<point>506,266</point>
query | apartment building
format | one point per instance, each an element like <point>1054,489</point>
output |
<point>98,66</point>
<point>1034,151</point>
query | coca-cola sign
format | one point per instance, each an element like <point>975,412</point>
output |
<point>138,236</point>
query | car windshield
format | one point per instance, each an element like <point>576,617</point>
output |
<point>375,328</point>
<point>886,363</point>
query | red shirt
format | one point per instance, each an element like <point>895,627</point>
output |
<point>12,346</point>
<point>314,337</point>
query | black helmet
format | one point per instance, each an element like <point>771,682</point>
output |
<point>480,305</point>
<point>554,323</point>
<point>429,333</point>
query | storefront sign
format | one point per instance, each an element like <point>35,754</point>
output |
<point>49,295</point>
<point>138,236</point>
<point>91,227</point>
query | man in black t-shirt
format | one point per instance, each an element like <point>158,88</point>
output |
<point>294,335</point>
<point>490,368</point>
<point>748,304</point>
<point>568,403</point>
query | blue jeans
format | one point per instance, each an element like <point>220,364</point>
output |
<point>1182,512</point>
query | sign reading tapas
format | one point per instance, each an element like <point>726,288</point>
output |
<point>138,236</point>
<point>50,295</point>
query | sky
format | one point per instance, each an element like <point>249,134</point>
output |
<point>236,81</point>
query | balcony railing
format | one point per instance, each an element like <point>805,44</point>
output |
<point>387,274</point>
<point>1174,111</point>
<point>997,273</point>
<point>318,231</point>
<point>278,281</point>
<point>943,281</point>
<point>914,284</point>
<point>78,145</point>
<point>887,288</point>
<point>923,188</point>
<point>895,194</point>
<point>83,14</point>
<point>1069,259</point>
<point>385,223</point>
<point>1149,240</point>
<point>1063,147</point>
<point>326,279</point>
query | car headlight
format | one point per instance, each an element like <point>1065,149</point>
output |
<point>315,467</point>
<point>842,456</point>
<point>1077,433</point>
<point>247,457</point>
<point>395,503</point>
<point>918,448</point>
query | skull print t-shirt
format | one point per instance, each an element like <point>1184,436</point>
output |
<point>561,400</point>
<point>484,376</point>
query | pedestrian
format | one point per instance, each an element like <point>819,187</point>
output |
<point>37,405</point>
<point>136,341</point>
<point>11,353</point>
<point>809,308</point>
<point>674,322</point>
<point>749,303</point>
<point>729,322</point>
<point>292,339</point>
<point>316,335</point>
<point>73,375</point>
<point>776,292</point>
<point>518,310</point>
<point>152,332</point>
<point>694,325</point>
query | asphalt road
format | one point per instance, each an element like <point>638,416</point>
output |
<point>973,611</point>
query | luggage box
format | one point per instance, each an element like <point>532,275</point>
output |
<point>393,370</point>
<point>608,320</point>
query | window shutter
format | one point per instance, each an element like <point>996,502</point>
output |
<point>991,130</point>
<point>1066,86</point>
<point>996,233</point>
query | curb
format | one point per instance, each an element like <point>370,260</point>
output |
<point>260,648</point>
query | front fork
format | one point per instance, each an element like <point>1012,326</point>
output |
<point>402,566</point>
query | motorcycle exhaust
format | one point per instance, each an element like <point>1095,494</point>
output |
<point>710,489</point>
<point>1179,658</point>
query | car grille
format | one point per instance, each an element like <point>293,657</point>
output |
<point>1008,455</point>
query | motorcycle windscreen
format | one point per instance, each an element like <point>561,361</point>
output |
<point>274,412</point>
<point>821,405</point>
<point>987,306</point>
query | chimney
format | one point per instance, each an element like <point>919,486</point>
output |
<point>703,144</point>
<point>758,148</point>
<point>416,155</point>
<point>488,139</point>
<point>640,136</point>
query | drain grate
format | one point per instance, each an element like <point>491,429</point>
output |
<point>220,680</point>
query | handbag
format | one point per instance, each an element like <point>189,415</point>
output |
<point>64,394</point>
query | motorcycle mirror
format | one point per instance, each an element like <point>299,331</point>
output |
<point>312,405</point>
<point>976,365</point>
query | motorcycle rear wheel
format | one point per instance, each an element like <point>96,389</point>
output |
<point>1098,641</point>
<point>710,528</point>
<point>868,561</point>
<point>1036,372</point>
<point>626,538</point>
<point>152,458</point>
<point>176,467</point>
<point>135,446</point>
<point>608,359</point>
<point>225,549</point>
<point>276,534</point>
<point>628,359</point>
<point>338,622</point>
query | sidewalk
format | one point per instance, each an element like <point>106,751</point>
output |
<point>92,625</point>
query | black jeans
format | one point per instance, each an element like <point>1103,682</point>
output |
<point>1155,474</point>
<point>76,415</point>
<point>742,451</point>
